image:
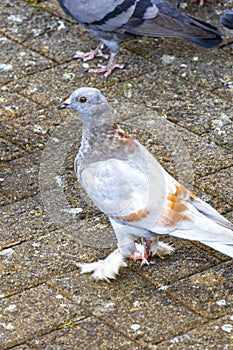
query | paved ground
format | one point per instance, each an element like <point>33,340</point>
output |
<point>176,99</point>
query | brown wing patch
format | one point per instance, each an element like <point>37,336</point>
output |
<point>181,191</point>
<point>120,140</point>
<point>174,211</point>
<point>133,217</point>
<point>121,135</point>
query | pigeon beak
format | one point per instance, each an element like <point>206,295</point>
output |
<point>64,104</point>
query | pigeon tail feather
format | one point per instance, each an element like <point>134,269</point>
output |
<point>226,249</point>
<point>186,27</point>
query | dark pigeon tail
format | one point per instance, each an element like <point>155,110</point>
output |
<point>227,19</point>
<point>214,39</point>
<point>207,43</point>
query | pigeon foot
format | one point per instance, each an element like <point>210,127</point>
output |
<point>106,269</point>
<point>107,69</point>
<point>143,251</point>
<point>87,56</point>
<point>201,2</point>
<point>161,249</point>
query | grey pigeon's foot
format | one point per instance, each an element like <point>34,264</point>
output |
<point>201,2</point>
<point>106,69</point>
<point>87,56</point>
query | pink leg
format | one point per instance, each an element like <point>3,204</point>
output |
<point>108,68</point>
<point>150,248</point>
<point>87,56</point>
<point>142,252</point>
<point>201,2</point>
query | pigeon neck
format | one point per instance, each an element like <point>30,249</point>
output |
<point>100,120</point>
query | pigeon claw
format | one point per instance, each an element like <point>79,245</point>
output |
<point>90,55</point>
<point>142,252</point>
<point>107,69</point>
<point>201,2</point>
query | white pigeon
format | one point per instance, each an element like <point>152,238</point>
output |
<point>140,198</point>
<point>113,21</point>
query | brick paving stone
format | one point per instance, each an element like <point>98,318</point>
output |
<point>184,102</point>
<point>20,178</point>
<point>209,293</point>
<point>33,312</point>
<point>33,130</point>
<point>89,333</point>
<point>61,40</point>
<point>213,184</point>
<point>24,220</point>
<point>9,150</point>
<point>211,69</point>
<point>18,61</point>
<point>214,335</point>
<point>20,22</point>
<point>22,347</point>
<point>221,130</point>
<point>44,89</point>
<point>230,216</point>
<point>14,106</point>
<point>140,312</point>
<point>33,262</point>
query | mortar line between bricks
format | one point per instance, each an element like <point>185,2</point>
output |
<point>15,200</point>
<point>28,74</point>
<point>65,18</point>
<point>191,80</point>
<point>187,306</point>
<point>156,343</point>
<point>212,254</point>
<point>216,142</point>
<point>42,281</point>
<point>216,171</point>
<point>14,143</point>
<point>180,334</point>
<point>22,43</point>
<point>115,329</point>
<point>40,334</point>
<point>223,45</point>
<point>179,279</point>
<point>72,326</point>
<point>102,319</point>
<point>143,73</point>
<point>46,234</point>
<point>18,243</point>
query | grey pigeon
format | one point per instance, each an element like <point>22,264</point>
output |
<point>114,21</point>
<point>227,19</point>
<point>140,198</point>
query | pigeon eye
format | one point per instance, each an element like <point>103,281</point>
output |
<point>82,99</point>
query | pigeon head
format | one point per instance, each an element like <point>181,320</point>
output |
<point>90,104</point>
<point>83,100</point>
